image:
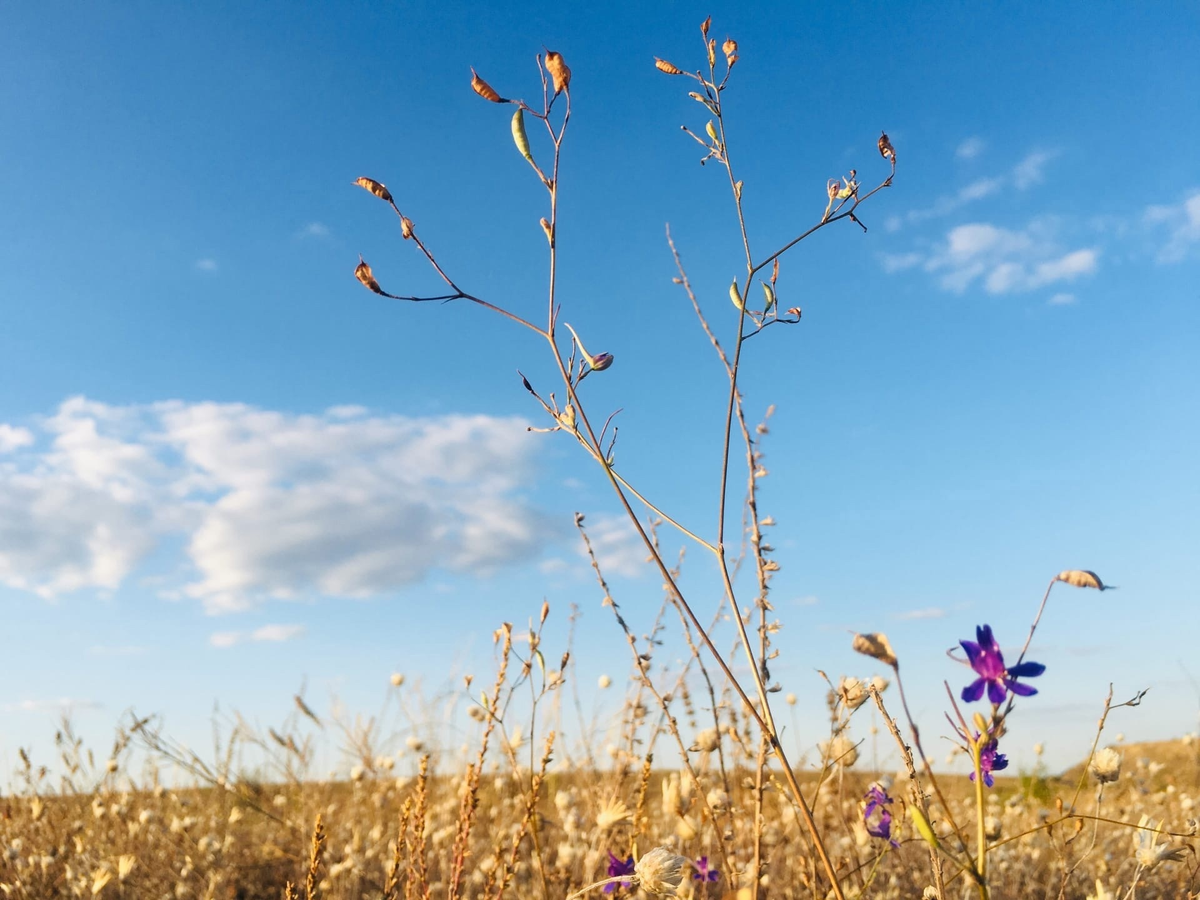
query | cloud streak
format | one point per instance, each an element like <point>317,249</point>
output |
<point>265,504</point>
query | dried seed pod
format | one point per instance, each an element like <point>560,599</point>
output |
<point>406,228</point>
<point>560,74</point>
<point>794,311</point>
<point>670,68</point>
<point>483,89</point>
<point>545,223</point>
<point>729,48</point>
<point>704,26</point>
<point>874,645</point>
<point>520,138</point>
<point>1083,578</point>
<point>737,188</point>
<point>712,52</point>
<point>363,273</point>
<point>375,188</point>
<point>775,272</point>
<point>886,150</point>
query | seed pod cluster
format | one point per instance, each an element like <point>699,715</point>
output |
<point>670,68</point>
<point>483,89</point>
<point>375,188</point>
<point>560,74</point>
<point>730,50</point>
<point>886,150</point>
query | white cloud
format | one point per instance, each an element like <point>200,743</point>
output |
<point>13,438</point>
<point>1006,261</point>
<point>617,546</point>
<point>206,265</point>
<point>278,633</point>
<point>931,612</point>
<point>268,504</point>
<point>1030,171</point>
<point>61,706</point>
<point>945,205</point>
<point>1178,226</point>
<point>1062,300</point>
<point>275,634</point>
<point>970,148</point>
<point>315,230</point>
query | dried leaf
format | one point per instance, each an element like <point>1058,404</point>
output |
<point>670,68</point>
<point>1082,578</point>
<point>375,188</point>
<point>560,74</point>
<point>704,26</point>
<point>886,150</point>
<point>735,295</point>
<point>484,90</point>
<point>520,138</point>
<point>875,645</point>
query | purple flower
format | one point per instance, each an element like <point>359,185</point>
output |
<point>617,868</point>
<point>988,662</point>
<point>601,361</point>
<point>990,761</point>
<point>703,872</point>
<point>876,815</point>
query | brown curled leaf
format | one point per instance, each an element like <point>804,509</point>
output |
<point>483,89</point>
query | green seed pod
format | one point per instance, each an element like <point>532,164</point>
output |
<point>769,294</point>
<point>520,138</point>
<point>923,827</point>
<point>712,132</point>
<point>735,295</point>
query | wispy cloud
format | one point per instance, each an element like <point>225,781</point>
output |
<point>930,612</point>
<point>267,504</point>
<point>1030,171</point>
<point>1177,227</point>
<point>206,265</point>
<point>274,634</point>
<point>62,705</point>
<point>125,650</point>
<point>617,546</point>
<point>1001,260</point>
<point>1063,300</point>
<point>970,148</point>
<point>317,230</point>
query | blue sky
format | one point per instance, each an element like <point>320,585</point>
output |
<point>227,471</point>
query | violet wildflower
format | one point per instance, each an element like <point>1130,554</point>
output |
<point>988,662</point>
<point>876,816</point>
<point>990,761</point>
<point>616,868</point>
<point>703,872</point>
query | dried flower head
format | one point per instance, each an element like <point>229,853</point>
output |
<point>875,646</point>
<point>660,871</point>
<point>1106,765</point>
<point>1146,849</point>
<point>852,692</point>
<point>614,812</point>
